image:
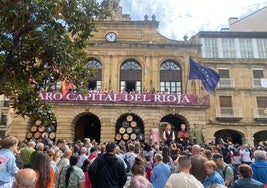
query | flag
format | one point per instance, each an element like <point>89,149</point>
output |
<point>209,77</point>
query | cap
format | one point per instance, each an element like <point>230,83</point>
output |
<point>217,156</point>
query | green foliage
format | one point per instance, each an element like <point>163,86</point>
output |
<point>45,40</point>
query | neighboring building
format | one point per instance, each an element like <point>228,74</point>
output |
<point>143,78</point>
<point>4,112</point>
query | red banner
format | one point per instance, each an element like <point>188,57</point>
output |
<point>125,98</point>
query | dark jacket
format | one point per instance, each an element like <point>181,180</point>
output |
<point>107,171</point>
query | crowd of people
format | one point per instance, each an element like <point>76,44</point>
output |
<point>132,164</point>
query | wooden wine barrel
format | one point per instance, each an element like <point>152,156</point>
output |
<point>29,135</point>
<point>38,122</point>
<point>125,136</point>
<point>133,136</point>
<point>122,130</point>
<point>118,136</point>
<point>45,135</point>
<point>41,128</point>
<point>129,118</point>
<point>129,130</point>
<point>137,130</point>
<point>140,136</point>
<point>52,135</point>
<point>37,135</point>
<point>125,124</point>
<point>133,123</point>
<point>34,128</point>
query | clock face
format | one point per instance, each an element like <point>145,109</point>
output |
<point>111,37</point>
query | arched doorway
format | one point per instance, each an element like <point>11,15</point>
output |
<point>260,136</point>
<point>235,136</point>
<point>129,127</point>
<point>88,126</point>
<point>175,120</point>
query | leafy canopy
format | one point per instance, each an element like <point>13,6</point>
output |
<point>44,41</point>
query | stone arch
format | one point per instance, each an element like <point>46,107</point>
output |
<point>129,126</point>
<point>87,125</point>
<point>260,136</point>
<point>175,120</point>
<point>234,135</point>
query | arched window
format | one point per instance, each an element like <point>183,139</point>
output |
<point>95,74</point>
<point>130,76</point>
<point>170,78</point>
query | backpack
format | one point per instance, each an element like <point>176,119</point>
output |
<point>224,172</point>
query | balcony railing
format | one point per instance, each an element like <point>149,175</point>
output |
<point>226,83</point>
<point>257,83</point>
<point>259,114</point>
<point>229,113</point>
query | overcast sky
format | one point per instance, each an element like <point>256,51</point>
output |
<point>186,17</point>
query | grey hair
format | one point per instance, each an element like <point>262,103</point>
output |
<point>259,155</point>
<point>158,157</point>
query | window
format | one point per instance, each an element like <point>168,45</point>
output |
<point>224,78</point>
<point>257,75</point>
<point>226,105</point>
<point>246,49</point>
<point>170,78</point>
<point>229,50</point>
<point>262,48</point>
<point>262,105</point>
<point>131,76</point>
<point>211,48</point>
<point>94,74</point>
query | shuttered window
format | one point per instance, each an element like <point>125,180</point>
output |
<point>262,102</point>
<point>257,73</point>
<point>225,101</point>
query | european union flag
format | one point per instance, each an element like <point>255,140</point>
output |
<point>209,77</point>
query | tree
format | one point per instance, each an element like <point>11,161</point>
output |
<point>41,43</point>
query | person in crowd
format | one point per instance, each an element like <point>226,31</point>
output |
<point>167,159</point>
<point>223,169</point>
<point>83,156</point>
<point>71,175</point>
<point>236,160</point>
<point>183,136</point>
<point>65,160</point>
<point>107,170</point>
<point>25,178</point>
<point>155,134</point>
<point>246,180</point>
<point>197,162</point>
<point>44,172</point>
<point>130,155</point>
<point>245,154</point>
<point>147,150</point>
<point>8,166</point>
<point>38,148</point>
<point>259,167</point>
<point>85,168</point>
<point>213,177</point>
<point>183,178</point>
<point>160,173</point>
<point>93,154</point>
<point>168,135</point>
<point>26,154</point>
<point>52,162</point>
<point>140,182</point>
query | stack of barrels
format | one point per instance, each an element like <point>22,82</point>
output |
<point>129,130</point>
<point>38,131</point>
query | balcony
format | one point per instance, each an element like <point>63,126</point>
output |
<point>229,113</point>
<point>259,114</point>
<point>257,83</point>
<point>226,83</point>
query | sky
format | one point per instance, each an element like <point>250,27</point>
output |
<point>178,18</point>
